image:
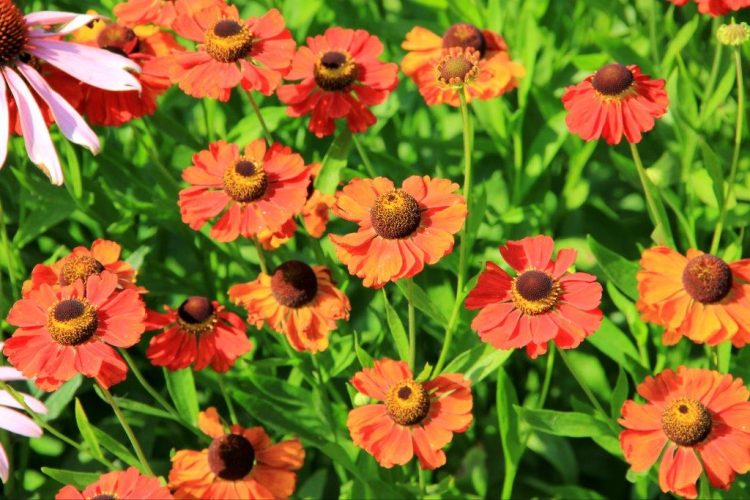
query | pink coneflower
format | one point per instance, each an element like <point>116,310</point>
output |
<point>24,42</point>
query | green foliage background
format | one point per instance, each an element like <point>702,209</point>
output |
<point>531,177</point>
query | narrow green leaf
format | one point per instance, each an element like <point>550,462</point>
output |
<point>60,399</point>
<point>616,268</point>
<point>181,387</point>
<point>505,400</point>
<point>113,446</point>
<point>334,161</point>
<point>613,342</point>
<point>619,393</point>
<point>400,339</point>
<point>86,432</point>
<point>559,423</point>
<point>365,360</point>
<point>422,301</point>
<point>78,479</point>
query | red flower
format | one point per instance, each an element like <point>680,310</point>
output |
<point>69,330</point>
<point>122,485</point>
<point>271,240</point>
<point>341,77</point>
<point>615,100</point>
<point>715,7</point>
<point>199,333</point>
<point>136,12</point>
<point>542,303</point>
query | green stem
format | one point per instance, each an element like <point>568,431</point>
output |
<point>261,256</point>
<point>11,262</point>
<point>412,325</point>
<point>227,399</point>
<point>256,108</point>
<point>709,89</point>
<point>320,382</point>
<point>208,115</point>
<point>735,155</point>
<point>655,208</point>
<point>420,474</point>
<point>463,254</point>
<point>144,383</point>
<point>581,383</point>
<point>126,427</point>
<point>364,156</point>
<point>652,34</point>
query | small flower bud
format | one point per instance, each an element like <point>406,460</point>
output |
<point>733,34</point>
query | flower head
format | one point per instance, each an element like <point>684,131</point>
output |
<point>298,300</point>
<point>400,230</point>
<point>542,303</point>
<point>137,12</point>
<point>410,417</point>
<point>317,209</point>
<point>25,39</point>
<point>121,485</point>
<point>67,330</point>
<point>200,333</point>
<point>701,417</point>
<point>617,100</point>
<point>698,296</point>
<point>258,190</point>
<point>341,77</point>
<point>240,463</point>
<point>733,34</point>
<point>715,7</point>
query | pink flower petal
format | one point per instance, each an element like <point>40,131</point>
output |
<point>18,423</point>
<point>4,465</point>
<point>71,123</point>
<point>4,123</point>
<point>7,400</point>
<point>38,142</point>
<point>76,22</point>
<point>7,373</point>
<point>97,67</point>
<point>48,17</point>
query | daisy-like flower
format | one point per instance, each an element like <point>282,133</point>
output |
<point>254,53</point>
<point>23,40</point>
<point>715,7</point>
<point>701,417</point>
<point>400,230</point>
<point>81,263</point>
<point>258,190</point>
<point>120,485</point>
<point>617,100</point>
<point>317,210</point>
<point>200,333</point>
<point>67,330</point>
<point>297,300</point>
<point>698,296</point>
<point>240,463</point>
<point>341,77</point>
<point>543,302</point>
<point>411,417</point>
<point>136,12</point>
<point>143,45</point>
<point>12,420</point>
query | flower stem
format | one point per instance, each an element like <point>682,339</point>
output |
<point>9,258</point>
<point>735,155</point>
<point>126,427</point>
<point>655,208</point>
<point>144,383</point>
<point>412,325</point>
<point>324,397</point>
<point>364,156</point>
<point>420,474</point>
<point>465,243</point>
<point>227,399</point>
<point>256,108</point>
<point>261,256</point>
<point>581,383</point>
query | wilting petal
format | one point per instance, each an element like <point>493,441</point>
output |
<point>18,423</point>
<point>4,123</point>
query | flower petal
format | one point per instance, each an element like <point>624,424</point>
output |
<point>18,423</point>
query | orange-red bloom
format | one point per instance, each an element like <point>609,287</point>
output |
<point>341,77</point>
<point>200,333</point>
<point>617,100</point>
<point>412,417</point>
<point>122,485</point>
<point>241,463</point>
<point>271,240</point>
<point>254,53</point>
<point>317,212</point>
<point>715,7</point>
<point>67,330</point>
<point>298,300</point>
<point>701,416</point>
<point>542,303</point>
<point>400,230</point>
<point>82,263</point>
<point>136,12</point>
<point>258,190</point>
<point>699,296</point>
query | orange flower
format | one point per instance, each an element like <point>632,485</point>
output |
<point>137,12</point>
<point>699,296</point>
<point>122,485</point>
<point>615,100</point>
<point>82,263</point>
<point>412,418</point>
<point>200,331</point>
<point>241,463</point>
<point>542,303</point>
<point>701,416</point>
<point>316,212</point>
<point>341,77</point>
<point>399,229</point>
<point>254,53</point>
<point>271,240</point>
<point>300,301</point>
<point>715,7</point>
<point>69,330</point>
<point>260,190</point>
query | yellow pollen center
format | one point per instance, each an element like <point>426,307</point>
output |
<point>228,41</point>
<point>686,421</point>
<point>335,71</point>
<point>14,34</point>
<point>79,267</point>
<point>535,292</point>
<point>246,180</point>
<point>407,402</point>
<point>458,67</point>
<point>72,322</point>
<point>395,215</point>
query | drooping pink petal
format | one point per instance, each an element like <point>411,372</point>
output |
<point>47,17</point>
<point>7,373</point>
<point>74,22</point>
<point>18,423</point>
<point>72,125</point>
<point>7,400</point>
<point>36,136</point>
<point>4,123</point>
<point>4,466</point>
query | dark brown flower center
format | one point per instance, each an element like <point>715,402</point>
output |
<point>228,41</point>
<point>407,403</point>
<point>196,315</point>
<point>612,79</point>
<point>231,457</point>
<point>245,181</point>
<point>335,71</point>
<point>395,215</point>
<point>104,496</point>
<point>72,322</point>
<point>14,35</point>
<point>118,39</point>
<point>707,279</point>
<point>535,292</point>
<point>465,35</point>
<point>534,285</point>
<point>294,284</point>
<point>686,421</point>
<point>79,267</point>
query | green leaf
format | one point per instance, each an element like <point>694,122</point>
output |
<point>86,432</point>
<point>113,446</point>
<point>488,362</point>
<point>678,42</point>
<point>400,339</point>
<point>613,342</point>
<point>423,302</point>
<point>559,423</point>
<point>505,400</point>
<point>616,268</point>
<point>60,399</point>
<point>620,393</point>
<point>334,161</point>
<point>365,360</point>
<point>78,479</point>
<point>181,387</point>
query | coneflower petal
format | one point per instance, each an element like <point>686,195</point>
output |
<point>4,123</point>
<point>18,423</point>
<point>33,403</point>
